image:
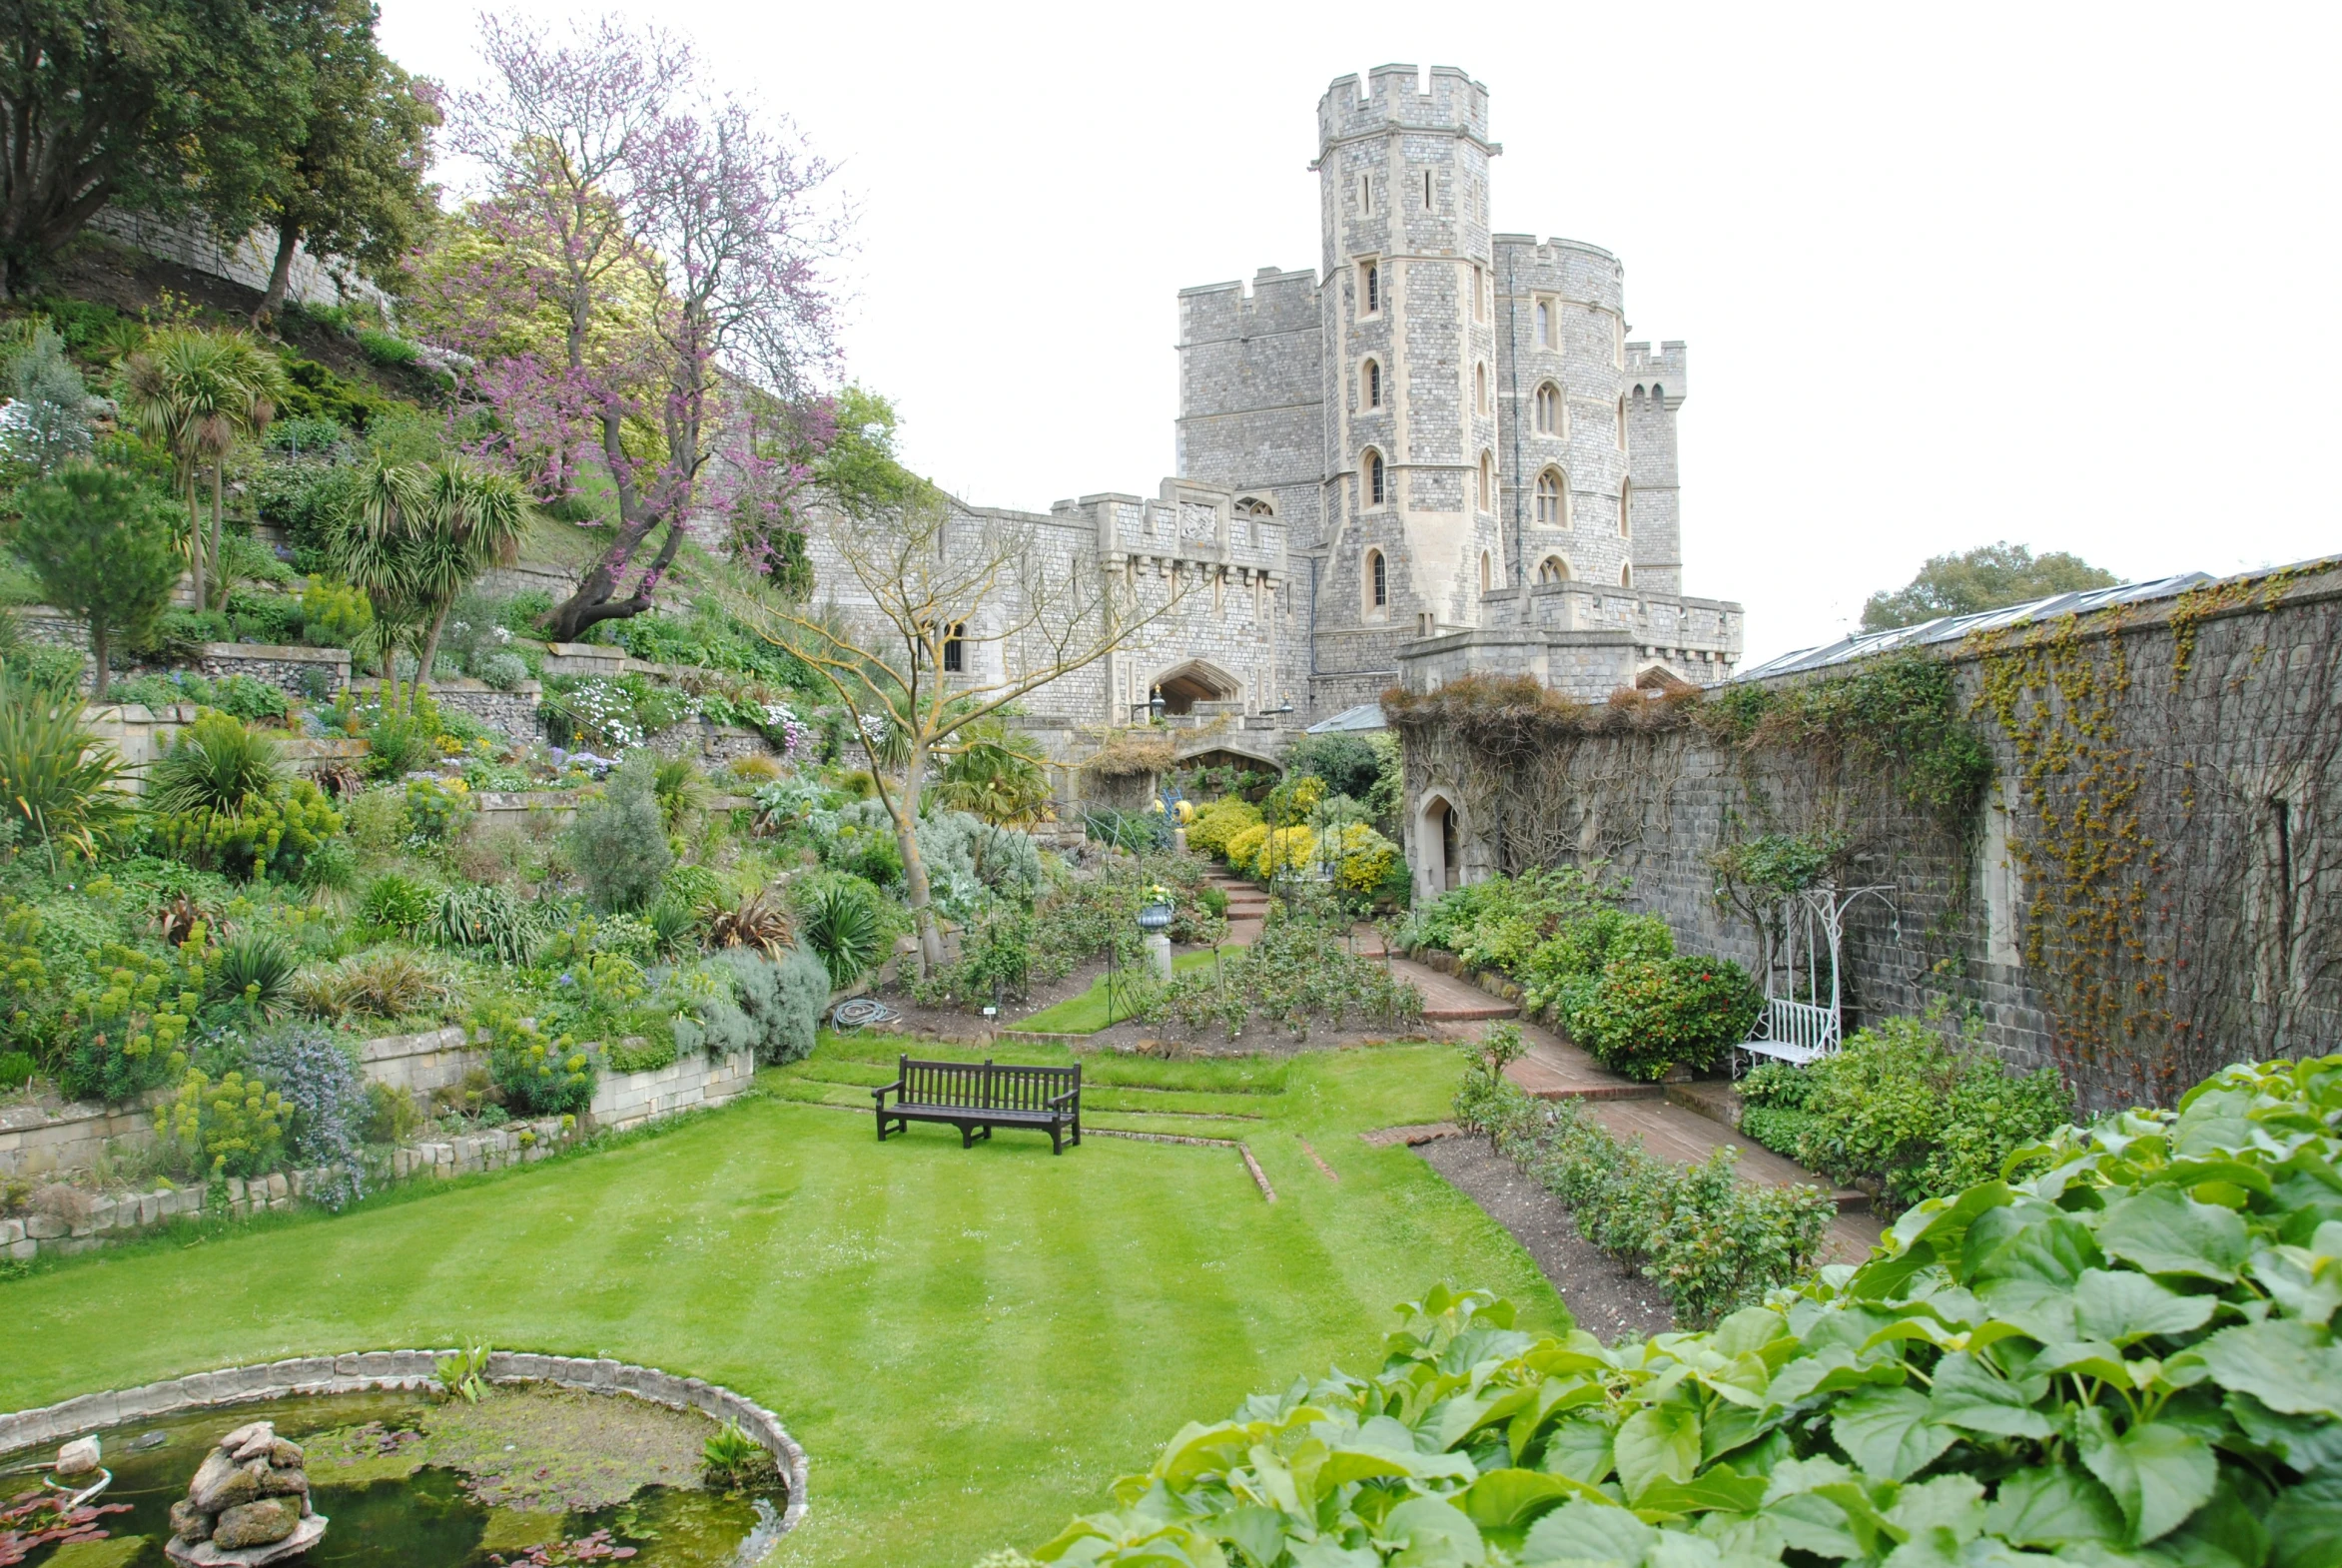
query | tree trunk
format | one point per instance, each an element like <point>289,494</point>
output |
<point>916,891</point>
<point>195,543</point>
<point>430,646</point>
<point>98,640</point>
<point>219,576</point>
<point>280,275</point>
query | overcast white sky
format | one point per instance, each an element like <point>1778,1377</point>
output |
<point>2058,274</point>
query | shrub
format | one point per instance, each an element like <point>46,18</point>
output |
<point>1900,1105</point>
<point>1283,852</point>
<point>1714,1242</point>
<point>538,1076</point>
<point>101,544</point>
<point>377,820</point>
<point>1220,821</point>
<point>840,922</point>
<point>58,782</point>
<point>783,999</point>
<point>1560,971</point>
<point>503,671</point>
<point>756,920</point>
<point>232,1128</point>
<point>274,837</point>
<point>1498,922</point>
<point>863,844</point>
<point>1294,975</point>
<point>961,847</point>
<point>1140,832</point>
<point>435,807</point>
<point>387,984</point>
<point>619,843</point>
<point>16,1069</point>
<point>333,615</point>
<point>1246,843</point>
<point>1645,1016</point>
<point>325,1102</point>
<point>385,348</point>
<point>134,1016</point>
<point>400,742</point>
<point>1360,858</point>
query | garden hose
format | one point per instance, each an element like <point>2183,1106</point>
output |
<point>851,1014</point>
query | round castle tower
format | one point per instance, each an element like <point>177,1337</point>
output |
<point>1407,298</point>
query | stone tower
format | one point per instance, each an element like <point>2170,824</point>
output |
<point>1410,412</point>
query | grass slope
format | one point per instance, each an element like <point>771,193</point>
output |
<point>1088,1013</point>
<point>969,1345</point>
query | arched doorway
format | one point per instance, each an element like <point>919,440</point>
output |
<point>1184,685</point>
<point>1438,847</point>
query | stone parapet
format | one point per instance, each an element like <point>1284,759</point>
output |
<point>317,673</point>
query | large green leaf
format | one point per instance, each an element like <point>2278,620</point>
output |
<point>1509,1499</point>
<point>2164,1231</point>
<point>2119,1306</point>
<point>2053,1251</point>
<point>2311,1444</point>
<point>1580,1450</point>
<point>1587,1532</point>
<point>2157,1473</point>
<point>1971,1396</point>
<point>1656,1441</point>
<point>1719,1489</point>
<point>2054,1506</point>
<point>2306,1525</point>
<point>2286,1364</point>
<point>1433,1533</point>
<point>1257,1532</point>
<point>1886,1431</point>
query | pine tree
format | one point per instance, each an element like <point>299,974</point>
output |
<point>104,547</point>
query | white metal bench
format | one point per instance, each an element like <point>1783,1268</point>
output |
<point>1792,1032</point>
<point>1790,1029</point>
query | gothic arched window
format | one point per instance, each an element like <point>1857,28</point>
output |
<point>1550,505</point>
<point>1373,388</point>
<point>1626,576</point>
<point>1544,323</point>
<point>1485,484</point>
<point>1377,580</point>
<point>1376,483</point>
<point>1548,410</point>
<point>1552,569</point>
<point>1626,501</point>
<point>1480,389</point>
<point>1370,286</point>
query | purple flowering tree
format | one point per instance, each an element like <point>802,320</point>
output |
<point>640,293</point>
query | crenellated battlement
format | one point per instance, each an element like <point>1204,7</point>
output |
<point>1272,302</point>
<point>1392,100</point>
<point>1668,367</point>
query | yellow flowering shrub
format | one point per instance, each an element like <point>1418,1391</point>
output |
<point>132,1018</point>
<point>234,1127</point>
<point>1361,857</point>
<point>1284,852</point>
<point>1242,846</point>
<point>271,835</point>
<point>1220,822</point>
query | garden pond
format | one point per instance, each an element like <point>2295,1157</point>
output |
<point>527,1475</point>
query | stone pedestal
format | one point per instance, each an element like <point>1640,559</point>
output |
<point>1159,956</point>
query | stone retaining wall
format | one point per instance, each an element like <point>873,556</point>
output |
<point>287,667</point>
<point>371,1371</point>
<point>513,712</point>
<point>36,1143</point>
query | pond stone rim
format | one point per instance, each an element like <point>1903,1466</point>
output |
<point>367,1371</point>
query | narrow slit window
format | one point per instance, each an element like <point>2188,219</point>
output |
<point>956,649</point>
<point>1373,288</point>
<point>1374,383</point>
<point>1374,479</point>
<point>1426,190</point>
<point>1544,324</point>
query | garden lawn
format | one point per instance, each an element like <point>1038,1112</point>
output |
<point>971,1344</point>
<point>1088,1013</point>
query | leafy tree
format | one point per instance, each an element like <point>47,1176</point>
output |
<point>414,536</point>
<point>137,103</point>
<point>1989,577</point>
<point>349,177</point>
<point>101,544</point>
<point>196,393</point>
<point>644,276</point>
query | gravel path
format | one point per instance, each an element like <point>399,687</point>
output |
<point>1609,1300</point>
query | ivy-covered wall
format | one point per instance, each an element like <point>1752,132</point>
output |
<point>2116,840</point>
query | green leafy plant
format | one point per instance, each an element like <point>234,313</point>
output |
<point>132,1020</point>
<point>840,923</point>
<point>399,901</point>
<point>537,1075</point>
<point>1644,1017</point>
<point>216,766</point>
<point>464,1373</point>
<point>255,968</point>
<point>735,1460</point>
<point>388,984</point>
<point>2127,1358</point>
<point>231,1127</point>
<point>1900,1105</point>
<point>435,807</point>
<point>619,843</point>
<point>484,914</point>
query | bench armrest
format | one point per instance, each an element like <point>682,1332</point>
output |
<point>880,1094</point>
<point>1071,1093</point>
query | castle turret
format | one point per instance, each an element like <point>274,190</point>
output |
<point>1411,395</point>
<point>1654,391</point>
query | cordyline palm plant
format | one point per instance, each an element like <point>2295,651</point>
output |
<point>197,393</point>
<point>415,537</point>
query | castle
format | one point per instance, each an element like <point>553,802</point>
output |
<point>1433,454</point>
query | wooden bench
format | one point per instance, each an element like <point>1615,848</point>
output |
<point>977,1098</point>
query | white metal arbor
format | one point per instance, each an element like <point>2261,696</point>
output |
<point>1799,1023</point>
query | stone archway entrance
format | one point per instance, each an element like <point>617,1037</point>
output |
<point>1438,847</point>
<point>1184,685</point>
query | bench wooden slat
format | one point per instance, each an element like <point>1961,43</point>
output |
<point>975,1096</point>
